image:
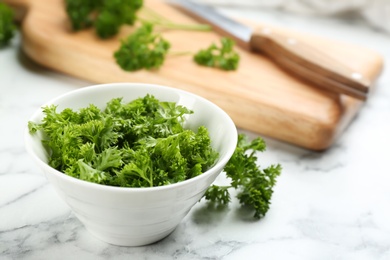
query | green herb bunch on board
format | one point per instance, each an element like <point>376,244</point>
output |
<point>142,49</point>
<point>254,185</point>
<point>223,57</point>
<point>137,144</point>
<point>146,49</point>
<point>7,26</point>
<point>107,16</point>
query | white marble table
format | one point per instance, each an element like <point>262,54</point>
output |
<point>331,205</point>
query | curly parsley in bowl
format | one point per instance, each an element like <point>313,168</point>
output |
<point>141,143</point>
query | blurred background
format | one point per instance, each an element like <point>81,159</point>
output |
<point>374,12</point>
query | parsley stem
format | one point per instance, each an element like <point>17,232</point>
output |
<point>192,27</point>
<point>157,19</point>
<point>180,53</point>
<point>153,14</point>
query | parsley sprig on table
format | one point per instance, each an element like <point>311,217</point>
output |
<point>7,26</point>
<point>254,185</point>
<point>133,144</point>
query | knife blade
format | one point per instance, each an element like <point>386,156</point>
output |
<point>302,59</point>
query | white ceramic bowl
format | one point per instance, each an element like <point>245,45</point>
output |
<point>135,216</point>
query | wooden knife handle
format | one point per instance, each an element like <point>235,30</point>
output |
<point>310,64</point>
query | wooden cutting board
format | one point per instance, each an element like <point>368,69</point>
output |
<point>259,96</point>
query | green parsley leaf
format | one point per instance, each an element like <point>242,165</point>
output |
<point>142,49</point>
<point>80,13</point>
<point>254,185</point>
<point>107,16</point>
<point>218,194</point>
<point>223,57</point>
<point>7,26</point>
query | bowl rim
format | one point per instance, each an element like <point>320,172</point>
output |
<point>220,164</point>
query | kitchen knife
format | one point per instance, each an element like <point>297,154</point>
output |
<point>303,60</point>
